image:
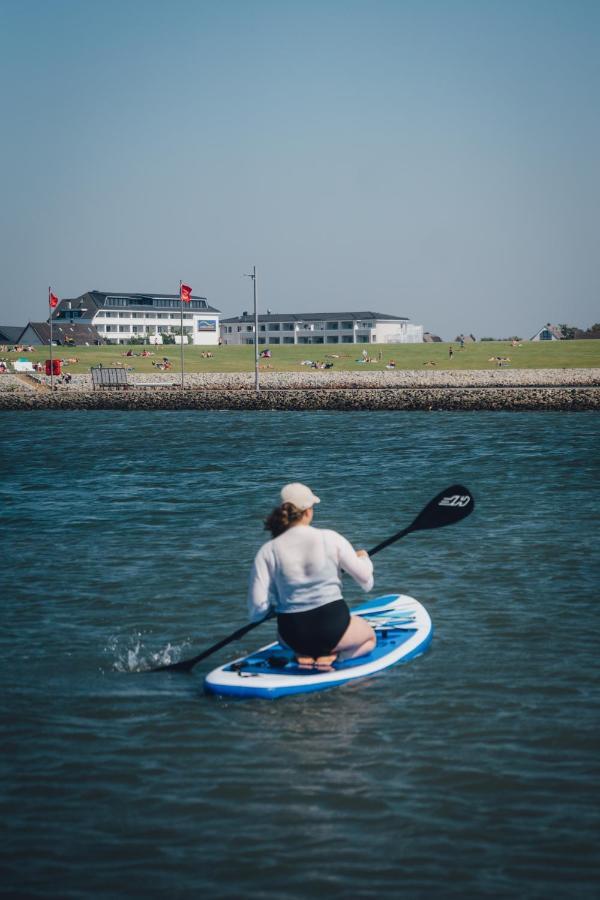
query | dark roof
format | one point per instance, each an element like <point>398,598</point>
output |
<point>10,333</point>
<point>314,317</point>
<point>78,333</point>
<point>92,301</point>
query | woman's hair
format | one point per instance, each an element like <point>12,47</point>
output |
<point>280,518</point>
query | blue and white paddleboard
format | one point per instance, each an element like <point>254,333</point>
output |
<point>403,630</point>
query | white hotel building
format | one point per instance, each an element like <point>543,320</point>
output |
<point>119,317</point>
<point>321,328</point>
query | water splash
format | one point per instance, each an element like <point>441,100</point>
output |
<point>131,655</point>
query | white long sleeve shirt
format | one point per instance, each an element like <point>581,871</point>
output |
<point>301,570</point>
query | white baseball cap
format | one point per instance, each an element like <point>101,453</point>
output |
<point>301,496</point>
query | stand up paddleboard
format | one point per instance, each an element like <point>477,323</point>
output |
<point>403,630</point>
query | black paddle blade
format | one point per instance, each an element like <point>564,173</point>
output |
<point>451,505</point>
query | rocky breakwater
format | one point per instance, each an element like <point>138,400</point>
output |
<point>525,389</point>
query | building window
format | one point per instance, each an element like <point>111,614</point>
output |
<point>333,326</point>
<point>275,340</point>
<point>158,302</point>
<point>347,325</point>
<point>274,326</point>
<point>288,340</point>
<point>287,326</point>
<point>347,339</point>
<point>333,339</point>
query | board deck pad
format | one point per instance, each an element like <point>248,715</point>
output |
<point>403,629</point>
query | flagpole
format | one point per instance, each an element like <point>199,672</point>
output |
<point>51,364</point>
<point>181,335</point>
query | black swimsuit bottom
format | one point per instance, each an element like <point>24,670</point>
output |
<point>317,631</point>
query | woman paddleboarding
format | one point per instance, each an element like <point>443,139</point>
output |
<point>298,574</point>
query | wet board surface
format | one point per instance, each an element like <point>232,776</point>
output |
<point>403,630</point>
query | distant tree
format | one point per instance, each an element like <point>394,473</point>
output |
<point>487,339</point>
<point>592,332</point>
<point>567,331</point>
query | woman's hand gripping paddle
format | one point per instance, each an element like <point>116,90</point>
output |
<point>451,505</point>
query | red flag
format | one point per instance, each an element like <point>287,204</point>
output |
<point>53,300</point>
<point>185,292</point>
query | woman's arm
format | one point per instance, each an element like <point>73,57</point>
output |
<point>359,567</point>
<point>259,588</point>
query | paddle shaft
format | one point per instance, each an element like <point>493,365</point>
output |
<point>390,540</point>
<point>232,637</point>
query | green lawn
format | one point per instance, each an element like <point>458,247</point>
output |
<point>538,355</point>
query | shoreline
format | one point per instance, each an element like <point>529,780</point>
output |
<point>503,389</point>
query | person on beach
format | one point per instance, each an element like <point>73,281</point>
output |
<point>298,573</point>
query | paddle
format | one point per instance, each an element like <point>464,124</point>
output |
<point>451,505</point>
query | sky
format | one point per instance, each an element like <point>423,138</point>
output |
<point>435,159</point>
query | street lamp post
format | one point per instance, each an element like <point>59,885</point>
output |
<point>256,376</point>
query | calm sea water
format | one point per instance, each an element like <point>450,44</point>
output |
<point>469,772</point>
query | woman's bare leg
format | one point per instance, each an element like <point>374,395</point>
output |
<point>357,640</point>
